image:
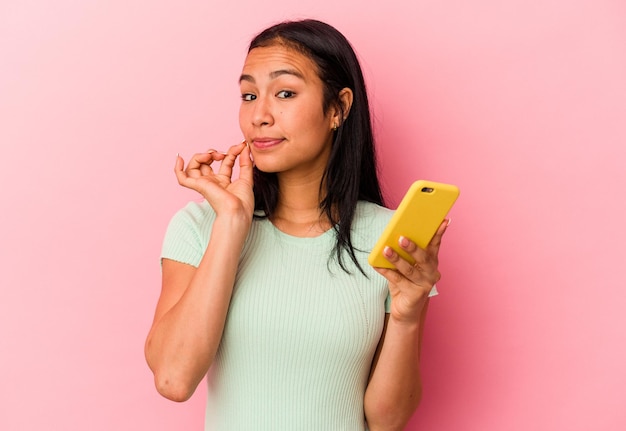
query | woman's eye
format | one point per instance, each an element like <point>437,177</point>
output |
<point>247,97</point>
<point>285,94</point>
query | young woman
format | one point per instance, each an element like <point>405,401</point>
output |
<point>266,285</point>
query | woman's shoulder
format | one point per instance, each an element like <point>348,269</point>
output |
<point>371,212</point>
<point>371,217</point>
<point>197,208</point>
<point>195,212</point>
<point>195,218</point>
<point>187,233</point>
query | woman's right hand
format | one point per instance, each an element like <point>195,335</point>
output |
<point>225,195</point>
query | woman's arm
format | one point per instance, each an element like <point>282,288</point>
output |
<point>395,387</point>
<point>191,311</point>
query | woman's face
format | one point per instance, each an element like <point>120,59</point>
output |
<point>281,114</point>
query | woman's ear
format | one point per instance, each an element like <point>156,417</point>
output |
<point>341,113</point>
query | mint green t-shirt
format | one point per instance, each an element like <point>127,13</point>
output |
<point>300,333</point>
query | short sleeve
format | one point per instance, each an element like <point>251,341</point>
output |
<point>187,234</point>
<point>388,304</point>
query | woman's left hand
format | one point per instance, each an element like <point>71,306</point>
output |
<point>410,285</point>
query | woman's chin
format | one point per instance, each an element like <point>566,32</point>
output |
<point>267,165</point>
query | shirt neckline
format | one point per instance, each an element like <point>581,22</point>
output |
<point>323,238</point>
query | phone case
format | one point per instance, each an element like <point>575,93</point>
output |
<point>419,215</point>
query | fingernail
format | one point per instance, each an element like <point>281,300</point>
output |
<point>387,251</point>
<point>449,221</point>
<point>403,241</point>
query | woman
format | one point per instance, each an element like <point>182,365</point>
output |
<point>266,285</point>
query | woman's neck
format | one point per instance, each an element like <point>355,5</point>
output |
<point>298,211</point>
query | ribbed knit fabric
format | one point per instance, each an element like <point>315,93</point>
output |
<point>300,333</point>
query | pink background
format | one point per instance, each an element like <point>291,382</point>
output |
<point>522,104</point>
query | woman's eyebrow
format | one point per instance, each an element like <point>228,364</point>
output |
<point>273,75</point>
<point>248,78</point>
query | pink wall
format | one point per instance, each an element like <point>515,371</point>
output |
<point>522,104</point>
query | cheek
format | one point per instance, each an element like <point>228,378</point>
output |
<point>318,125</point>
<point>242,118</point>
<point>310,119</point>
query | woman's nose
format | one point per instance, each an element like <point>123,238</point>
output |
<point>262,113</point>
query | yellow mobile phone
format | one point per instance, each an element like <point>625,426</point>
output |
<point>419,215</point>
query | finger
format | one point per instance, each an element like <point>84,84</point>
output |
<point>226,168</point>
<point>179,171</point>
<point>418,254</point>
<point>436,240</point>
<point>422,272</point>
<point>393,276</point>
<point>205,169</point>
<point>407,245</point>
<point>245,165</point>
<point>424,259</point>
<point>407,269</point>
<point>204,158</point>
<point>179,164</point>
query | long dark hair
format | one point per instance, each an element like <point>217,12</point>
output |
<point>351,173</point>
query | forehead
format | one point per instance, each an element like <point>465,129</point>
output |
<point>265,61</point>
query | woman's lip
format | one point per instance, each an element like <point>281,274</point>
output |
<point>264,143</point>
